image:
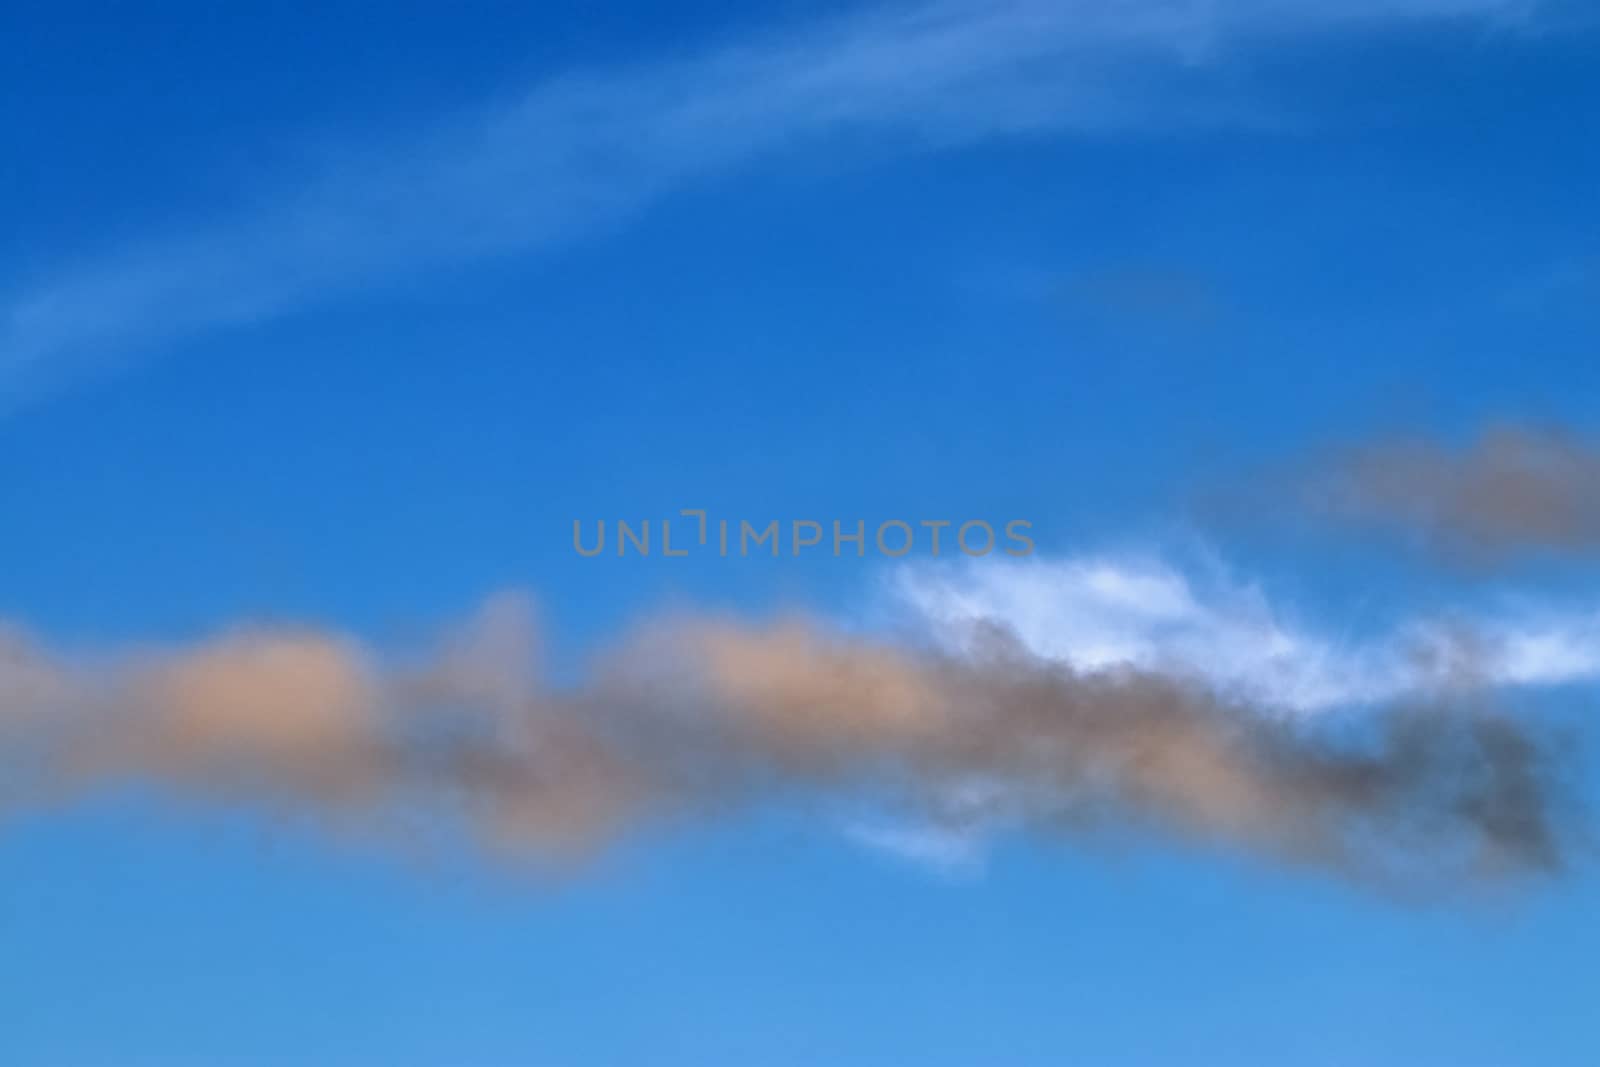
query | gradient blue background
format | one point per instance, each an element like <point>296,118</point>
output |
<point>910,336</point>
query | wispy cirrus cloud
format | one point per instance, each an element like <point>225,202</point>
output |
<point>585,149</point>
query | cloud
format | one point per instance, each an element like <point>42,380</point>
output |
<point>584,150</point>
<point>691,717</point>
<point>1512,491</point>
<point>1099,613</point>
<point>954,853</point>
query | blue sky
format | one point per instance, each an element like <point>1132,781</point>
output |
<point>334,322</point>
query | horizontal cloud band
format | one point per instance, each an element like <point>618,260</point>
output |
<point>694,717</point>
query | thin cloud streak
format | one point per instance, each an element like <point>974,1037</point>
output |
<point>583,151</point>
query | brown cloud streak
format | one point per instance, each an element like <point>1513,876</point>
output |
<point>1515,489</point>
<point>694,717</point>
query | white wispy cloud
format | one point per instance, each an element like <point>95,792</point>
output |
<point>954,853</point>
<point>1101,613</point>
<point>580,151</point>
